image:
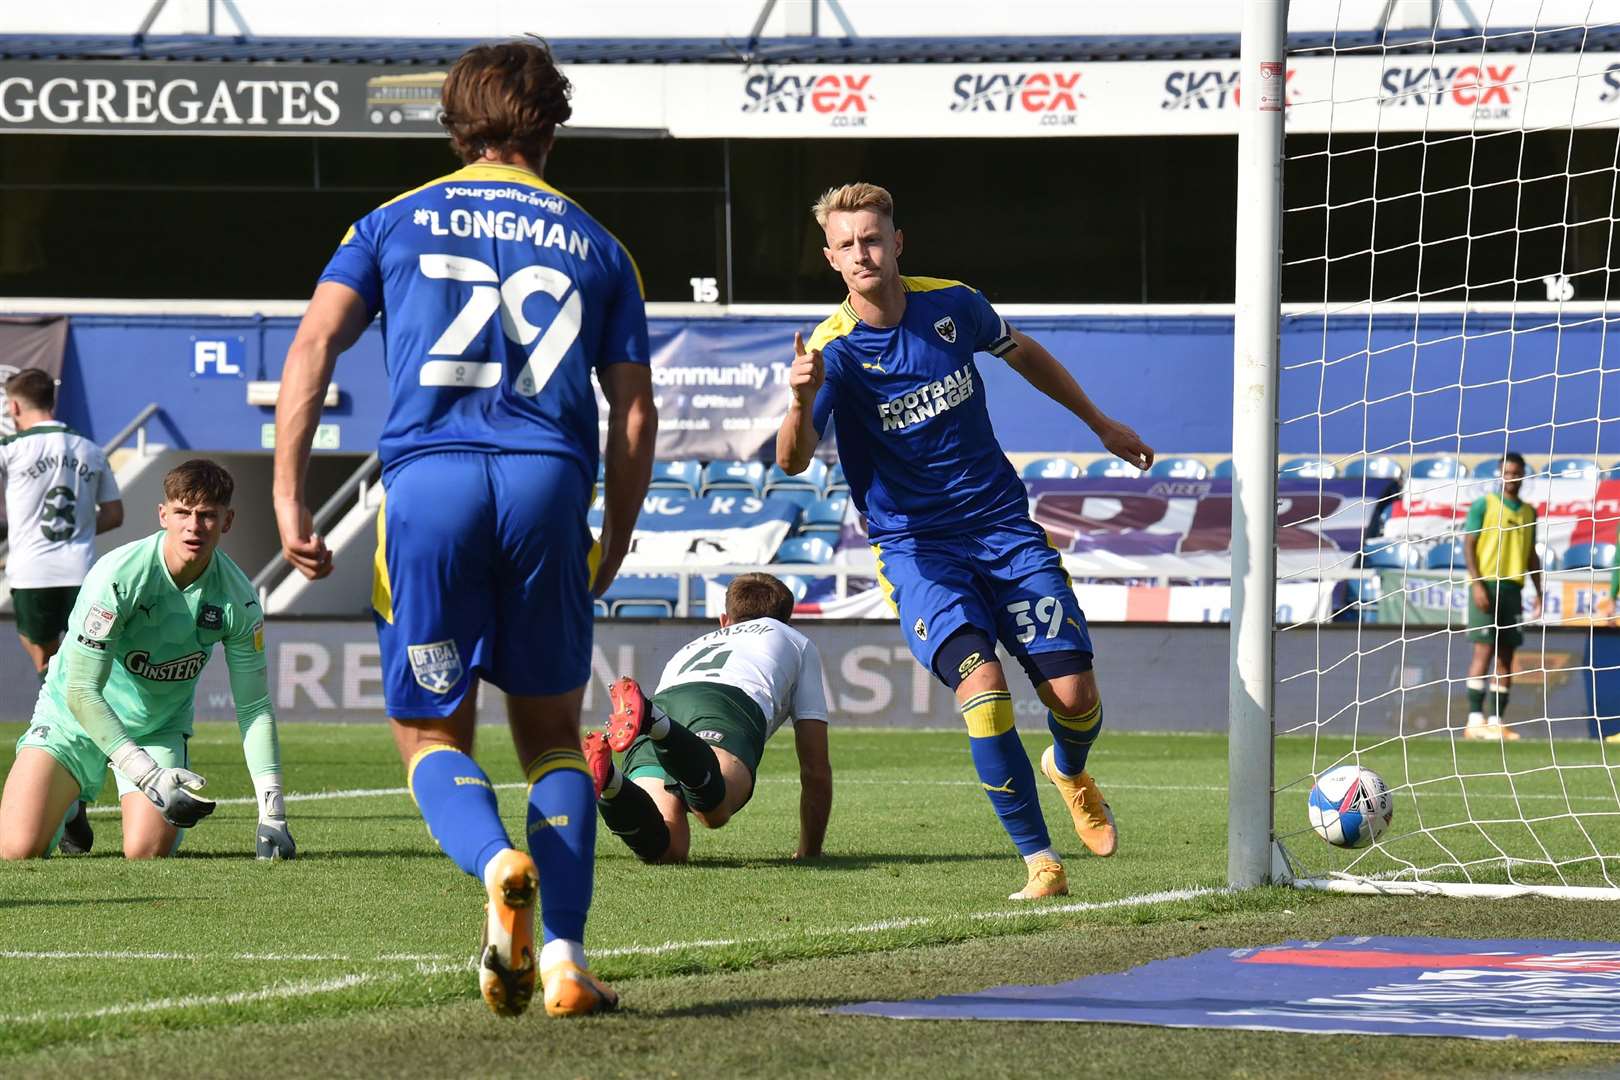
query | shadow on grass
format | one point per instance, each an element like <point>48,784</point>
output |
<point>324,854</point>
<point>58,902</point>
<point>745,1007</point>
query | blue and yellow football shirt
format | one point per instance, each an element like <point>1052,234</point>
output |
<point>499,296</point>
<point>914,432</point>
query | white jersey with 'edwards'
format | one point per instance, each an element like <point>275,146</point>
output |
<point>53,478</point>
<point>774,664</point>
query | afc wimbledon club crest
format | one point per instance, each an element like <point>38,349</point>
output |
<point>920,628</point>
<point>946,328</point>
<point>437,666</point>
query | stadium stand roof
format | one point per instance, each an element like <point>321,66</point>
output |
<point>803,50</point>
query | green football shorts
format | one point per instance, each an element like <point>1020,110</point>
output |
<point>1500,626</point>
<point>720,715</point>
<point>42,614</point>
<point>63,739</point>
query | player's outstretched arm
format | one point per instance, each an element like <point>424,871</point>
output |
<point>170,790</point>
<point>334,320</point>
<point>1042,371</point>
<point>261,748</point>
<point>632,439</point>
<point>796,440</point>
<point>815,785</point>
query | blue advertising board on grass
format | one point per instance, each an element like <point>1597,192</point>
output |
<point>1544,990</point>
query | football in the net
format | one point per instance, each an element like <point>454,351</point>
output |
<point>1351,806</point>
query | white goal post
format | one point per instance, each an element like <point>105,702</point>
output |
<point>1428,236</point>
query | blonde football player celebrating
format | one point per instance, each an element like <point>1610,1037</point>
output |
<point>948,517</point>
<point>122,688</point>
<point>696,746</point>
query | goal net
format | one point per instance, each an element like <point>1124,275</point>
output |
<point>1448,255</point>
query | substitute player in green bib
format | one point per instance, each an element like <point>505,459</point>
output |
<point>1501,550</point>
<point>122,688</point>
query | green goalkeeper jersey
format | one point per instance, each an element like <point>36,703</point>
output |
<point>157,636</point>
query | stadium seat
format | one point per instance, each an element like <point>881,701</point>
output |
<point>804,549</point>
<point>1589,557</point>
<point>600,608</point>
<point>1179,468</point>
<point>1447,555</point>
<point>643,609</point>
<point>1550,557</point>
<point>1112,466</point>
<point>1381,467</point>
<point>803,498</point>
<point>684,476</point>
<point>1444,467</point>
<point>825,515</point>
<point>653,590</point>
<point>798,586</point>
<point>746,476</point>
<point>1489,469</point>
<point>1224,469</point>
<point>1309,468</point>
<point>835,479</point>
<point>1383,555</point>
<point>1050,468</point>
<point>1573,469</point>
<point>814,478</point>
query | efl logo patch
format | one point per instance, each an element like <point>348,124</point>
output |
<point>99,622</point>
<point>210,617</point>
<point>920,628</point>
<point>946,329</point>
<point>436,666</point>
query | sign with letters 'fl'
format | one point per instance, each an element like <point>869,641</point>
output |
<point>1552,990</point>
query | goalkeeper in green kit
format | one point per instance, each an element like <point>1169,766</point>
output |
<point>122,689</point>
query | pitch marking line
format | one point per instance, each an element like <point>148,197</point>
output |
<point>241,997</point>
<point>432,961</point>
<point>373,793</point>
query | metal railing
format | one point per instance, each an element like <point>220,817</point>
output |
<point>351,490</point>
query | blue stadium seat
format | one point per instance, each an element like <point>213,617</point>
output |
<point>1309,468</point>
<point>825,515</point>
<point>814,478</point>
<point>746,476</point>
<point>600,607</point>
<point>683,476</point>
<point>1224,469</point>
<point>1589,556</point>
<point>643,609</point>
<point>1112,466</point>
<point>798,586</point>
<point>1050,468</point>
<point>1383,555</point>
<point>651,590</point>
<point>835,479</point>
<point>1573,469</point>
<point>1550,559</point>
<point>1489,469</point>
<point>804,549</point>
<point>1179,468</point>
<point>1381,467</point>
<point>1447,555</point>
<point>803,498</point>
<point>1444,467</point>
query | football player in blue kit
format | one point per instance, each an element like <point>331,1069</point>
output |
<point>499,297</point>
<point>947,515</point>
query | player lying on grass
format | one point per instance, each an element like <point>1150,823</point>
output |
<point>956,551</point>
<point>695,748</point>
<point>122,688</point>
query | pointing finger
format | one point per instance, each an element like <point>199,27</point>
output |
<point>798,343</point>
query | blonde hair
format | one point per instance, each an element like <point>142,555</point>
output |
<point>851,198</point>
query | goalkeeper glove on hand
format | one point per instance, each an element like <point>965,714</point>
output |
<point>170,790</point>
<point>272,840</point>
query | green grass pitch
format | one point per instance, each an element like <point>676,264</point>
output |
<point>352,961</point>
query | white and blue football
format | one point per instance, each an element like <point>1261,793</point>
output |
<point>1351,806</point>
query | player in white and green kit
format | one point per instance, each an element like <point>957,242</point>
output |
<point>122,688</point>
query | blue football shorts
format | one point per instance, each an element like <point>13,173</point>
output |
<point>1005,579</point>
<point>484,566</point>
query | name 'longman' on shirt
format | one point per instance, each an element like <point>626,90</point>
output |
<point>505,225</point>
<point>931,400</point>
